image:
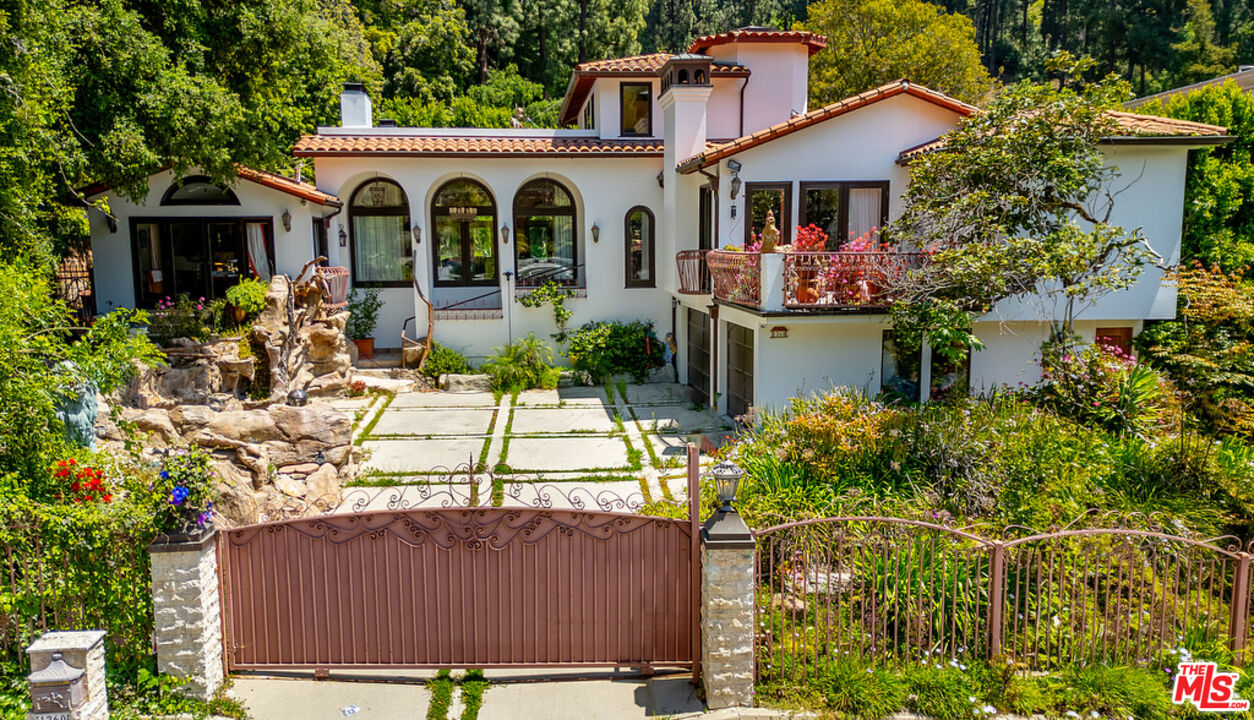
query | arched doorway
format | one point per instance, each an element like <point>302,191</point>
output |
<point>464,245</point>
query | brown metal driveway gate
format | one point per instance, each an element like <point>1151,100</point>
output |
<point>459,587</point>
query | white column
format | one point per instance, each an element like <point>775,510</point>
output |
<point>187,613</point>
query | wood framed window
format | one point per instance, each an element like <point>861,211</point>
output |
<point>198,256</point>
<point>899,371</point>
<point>590,113</point>
<point>775,197</point>
<point>635,109</point>
<point>546,240</point>
<point>382,253</point>
<point>463,247</point>
<point>639,245</point>
<point>844,210</point>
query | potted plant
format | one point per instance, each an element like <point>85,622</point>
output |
<point>247,298</point>
<point>809,239</point>
<point>184,491</point>
<point>363,308</point>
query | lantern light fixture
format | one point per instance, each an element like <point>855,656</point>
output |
<point>287,220</point>
<point>726,481</point>
<point>596,233</point>
<point>417,233</point>
<point>343,237</point>
<point>505,234</point>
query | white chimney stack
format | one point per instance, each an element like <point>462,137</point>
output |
<point>355,110</point>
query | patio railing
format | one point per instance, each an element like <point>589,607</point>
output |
<point>736,276</point>
<point>808,280</point>
<point>694,275</point>
<point>820,280</point>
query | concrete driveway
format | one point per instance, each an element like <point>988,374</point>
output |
<point>620,438</point>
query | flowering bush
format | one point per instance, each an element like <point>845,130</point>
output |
<point>810,238</point>
<point>1100,385</point>
<point>184,318</point>
<point>866,242</point>
<point>186,483</point>
<point>86,483</point>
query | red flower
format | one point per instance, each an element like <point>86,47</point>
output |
<point>107,498</point>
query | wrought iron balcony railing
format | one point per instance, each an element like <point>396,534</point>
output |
<point>694,275</point>
<point>809,280</point>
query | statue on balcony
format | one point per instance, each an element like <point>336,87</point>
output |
<point>770,233</point>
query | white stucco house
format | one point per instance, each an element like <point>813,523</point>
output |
<point>670,156</point>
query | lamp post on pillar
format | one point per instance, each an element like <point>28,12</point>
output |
<point>727,598</point>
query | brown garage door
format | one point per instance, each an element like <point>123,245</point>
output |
<point>699,352</point>
<point>739,370</point>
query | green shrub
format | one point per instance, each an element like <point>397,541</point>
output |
<point>363,308</point>
<point>185,318</point>
<point>606,348</point>
<point>522,364</point>
<point>444,360</point>
<point>1102,387</point>
<point>858,692</point>
<point>943,693</point>
<point>248,295</point>
<point>1115,692</point>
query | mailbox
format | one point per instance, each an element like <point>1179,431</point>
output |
<point>57,690</point>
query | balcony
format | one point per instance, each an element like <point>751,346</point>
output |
<point>801,281</point>
<point>694,274</point>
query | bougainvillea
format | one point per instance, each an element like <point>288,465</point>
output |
<point>84,483</point>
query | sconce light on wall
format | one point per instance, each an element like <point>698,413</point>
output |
<point>596,233</point>
<point>505,234</point>
<point>343,237</point>
<point>417,232</point>
<point>734,166</point>
<point>287,220</point>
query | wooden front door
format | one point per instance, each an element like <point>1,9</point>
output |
<point>699,353</point>
<point>739,370</point>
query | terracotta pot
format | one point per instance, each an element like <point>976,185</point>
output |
<point>239,314</point>
<point>365,347</point>
<point>807,291</point>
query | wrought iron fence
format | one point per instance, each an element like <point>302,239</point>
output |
<point>898,591</point>
<point>844,279</point>
<point>736,276</point>
<point>694,275</point>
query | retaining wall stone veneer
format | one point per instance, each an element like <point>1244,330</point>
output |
<point>726,619</point>
<point>187,613</point>
<point>82,649</point>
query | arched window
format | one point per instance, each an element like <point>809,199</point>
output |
<point>464,245</point>
<point>546,239</point>
<point>379,218</point>
<point>639,239</point>
<point>198,190</point>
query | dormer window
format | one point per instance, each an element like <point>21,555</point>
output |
<point>637,106</point>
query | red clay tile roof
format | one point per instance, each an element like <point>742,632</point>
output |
<point>302,190</point>
<point>1145,127</point>
<point>713,155</point>
<point>586,73</point>
<point>452,146</point>
<point>759,35</point>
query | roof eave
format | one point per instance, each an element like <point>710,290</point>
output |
<point>465,154</point>
<point>1185,140</point>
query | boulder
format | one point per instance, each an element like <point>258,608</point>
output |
<point>453,382</point>
<point>325,424</point>
<point>246,426</point>
<point>300,469</point>
<point>325,343</point>
<point>289,486</point>
<point>155,422</point>
<point>190,417</point>
<point>236,503</point>
<point>324,484</point>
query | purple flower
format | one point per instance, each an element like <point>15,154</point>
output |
<point>178,495</point>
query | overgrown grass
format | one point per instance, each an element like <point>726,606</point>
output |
<point>441,688</point>
<point>473,687</point>
<point>366,433</point>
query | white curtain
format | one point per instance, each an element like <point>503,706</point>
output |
<point>258,258</point>
<point>864,210</point>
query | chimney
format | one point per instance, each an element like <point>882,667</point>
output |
<point>685,90</point>
<point>355,111</point>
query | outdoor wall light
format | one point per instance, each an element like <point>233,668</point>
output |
<point>505,234</point>
<point>596,233</point>
<point>287,220</point>
<point>417,232</point>
<point>343,237</point>
<point>726,481</point>
<point>735,187</point>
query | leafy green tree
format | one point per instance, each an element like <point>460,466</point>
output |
<point>1198,55</point>
<point>872,42</point>
<point>1219,194</point>
<point>1017,202</point>
<point>431,58</point>
<point>494,28</point>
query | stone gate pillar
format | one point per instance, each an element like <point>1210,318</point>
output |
<point>727,611</point>
<point>187,611</point>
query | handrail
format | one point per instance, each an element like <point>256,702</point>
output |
<point>694,274</point>
<point>819,280</point>
<point>426,351</point>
